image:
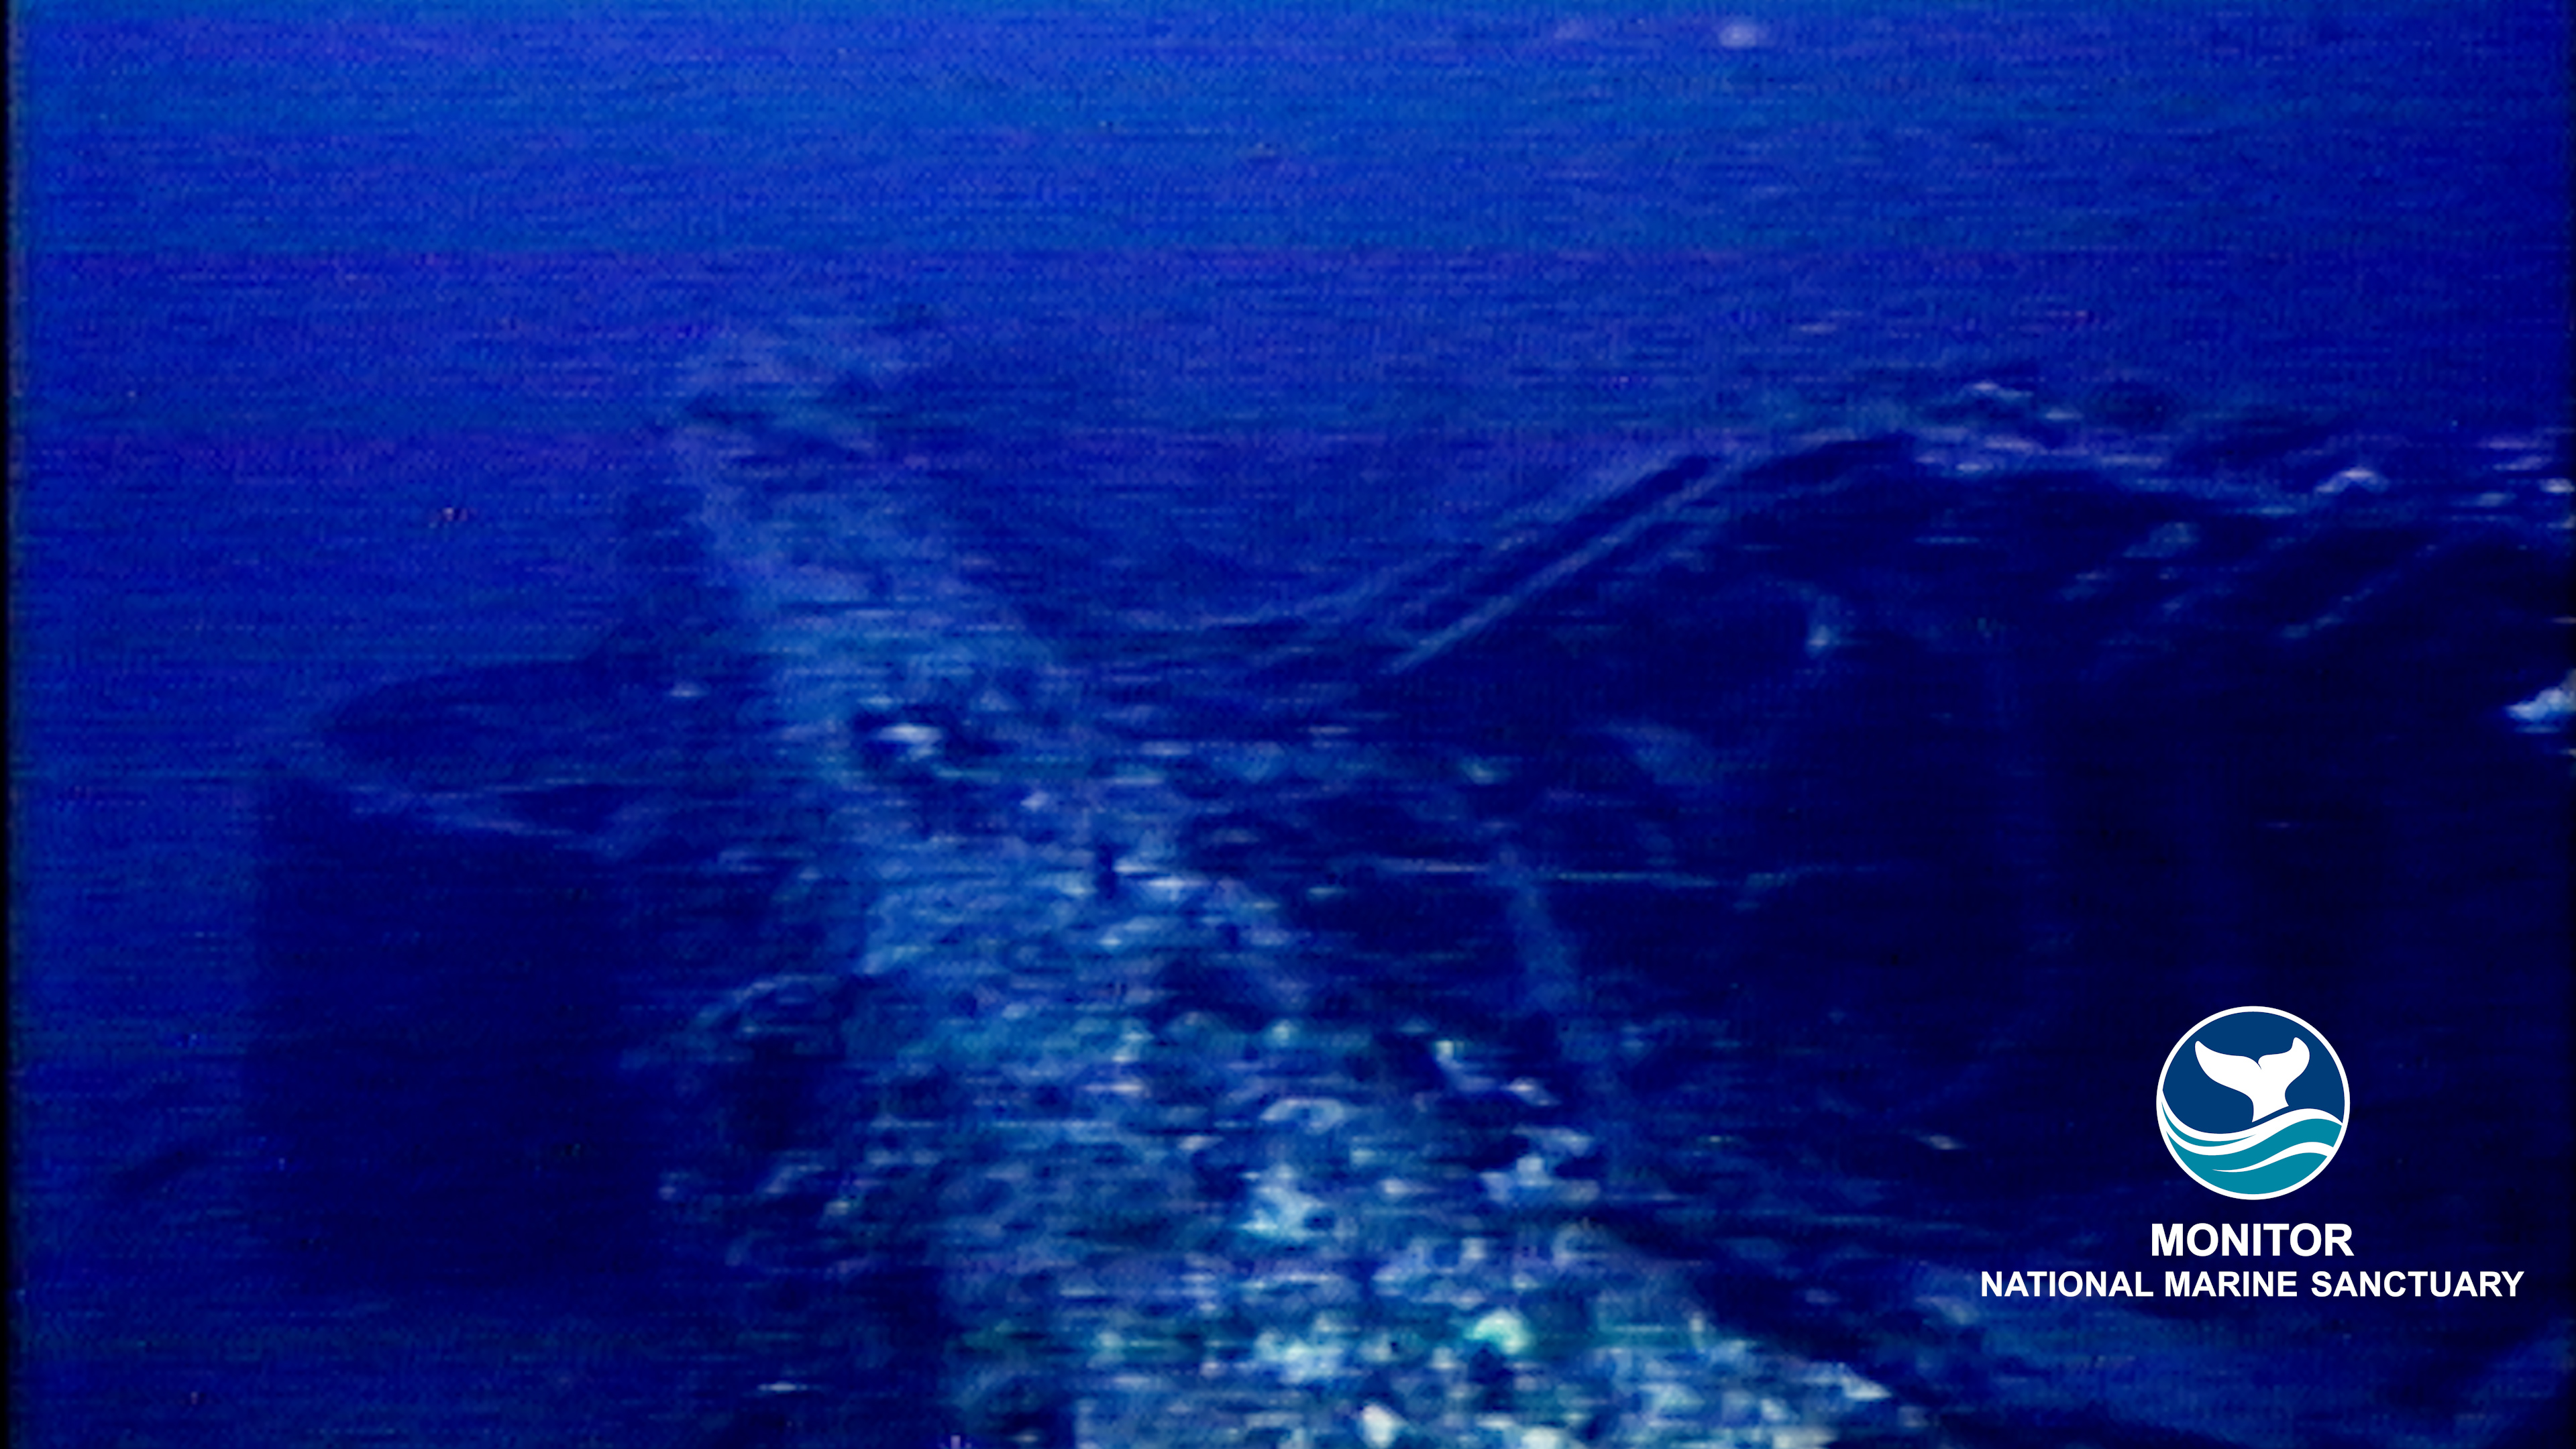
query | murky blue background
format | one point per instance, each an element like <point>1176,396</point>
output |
<point>337,332</point>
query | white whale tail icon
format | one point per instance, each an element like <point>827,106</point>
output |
<point>2265,1081</point>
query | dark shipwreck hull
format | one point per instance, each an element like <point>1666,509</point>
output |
<point>1622,976</point>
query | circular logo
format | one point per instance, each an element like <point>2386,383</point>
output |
<point>2253,1102</point>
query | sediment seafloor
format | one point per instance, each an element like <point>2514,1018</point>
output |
<point>1614,966</point>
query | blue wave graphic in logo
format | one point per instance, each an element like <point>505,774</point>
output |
<point>2253,1102</point>
<point>2260,1161</point>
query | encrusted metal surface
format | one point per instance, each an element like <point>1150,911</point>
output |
<point>1095,1136</point>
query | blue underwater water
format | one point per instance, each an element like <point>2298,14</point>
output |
<point>339,332</point>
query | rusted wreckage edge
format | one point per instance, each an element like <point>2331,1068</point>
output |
<point>1417,614</point>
